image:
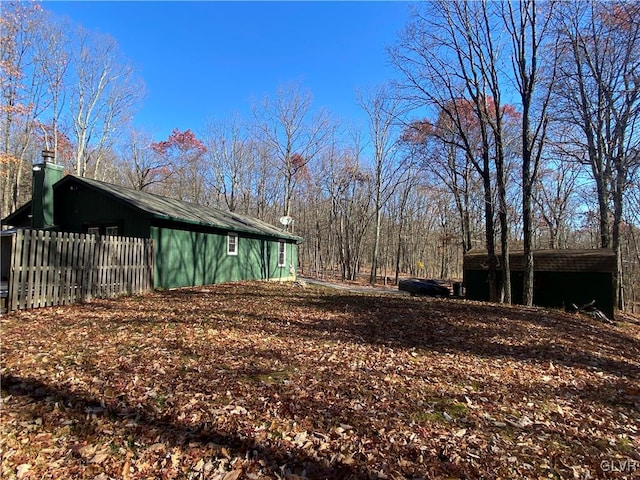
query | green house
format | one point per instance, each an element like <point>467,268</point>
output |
<point>560,277</point>
<point>193,244</point>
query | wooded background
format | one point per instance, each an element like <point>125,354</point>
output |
<point>508,126</point>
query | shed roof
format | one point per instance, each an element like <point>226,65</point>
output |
<point>583,260</point>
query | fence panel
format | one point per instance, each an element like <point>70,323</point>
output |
<point>57,268</point>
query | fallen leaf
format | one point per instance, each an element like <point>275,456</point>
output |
<point>99,458</point>
<point>233,475</point>
<point>22,470</point>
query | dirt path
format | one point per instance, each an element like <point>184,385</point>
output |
<point>353,288</point>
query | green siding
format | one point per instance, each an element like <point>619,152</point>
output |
<point>78,206</point>
<point>187,257</point>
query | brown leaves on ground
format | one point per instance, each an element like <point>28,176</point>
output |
<point>265,380</point>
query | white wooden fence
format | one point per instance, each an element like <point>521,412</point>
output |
<point>53,268</point>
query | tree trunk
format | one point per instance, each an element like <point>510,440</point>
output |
<point>376,247</point>
<point>490,237</point>
<point>527,286</point>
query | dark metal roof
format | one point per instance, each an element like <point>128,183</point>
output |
<point>172,209</point>
<point>20,218</point>
<point>164,208</point>
<point>584,260</point>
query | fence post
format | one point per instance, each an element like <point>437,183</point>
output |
<point>87,281</point>
<point>56,248</point>
<point>47,270</point>
<point>65,262</point>
<point>15,272</point>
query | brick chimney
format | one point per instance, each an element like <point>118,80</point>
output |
<point>45,175</point>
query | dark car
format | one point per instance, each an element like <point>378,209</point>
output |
<point>423,286</point>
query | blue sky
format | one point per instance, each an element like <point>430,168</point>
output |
<point>209,60</point>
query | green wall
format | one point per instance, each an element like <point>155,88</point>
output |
<point>77,207</point>
<point>187,257</point>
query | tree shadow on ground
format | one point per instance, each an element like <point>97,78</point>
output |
<point>174,433</point>
<point>448,326</point>
<point>486,330</point>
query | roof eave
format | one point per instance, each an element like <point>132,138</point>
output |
<point>225,227</point>
<point>23,210</point>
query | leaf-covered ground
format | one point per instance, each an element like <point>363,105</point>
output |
<point>264,380</point>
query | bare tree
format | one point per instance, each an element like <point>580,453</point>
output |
<point>320,223</point>
<point>554,199</point>
<point>401,216</point>
<point>441,154</point>
<point>230,161</point>
<point>23,95</point>
<point>142,168</point>
<point>293,137</point>
<point>54,59</point>
<point>266,186</point>
<point>631,241</point>
<point>104,91</point>
<point>348,186</point>
<point>53,102</point>
<point>599,92</point>
<point>528,23</point>
<point>382,110</point>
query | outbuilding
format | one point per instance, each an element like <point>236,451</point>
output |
<point>193,244</point>
<point>561,277</point>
